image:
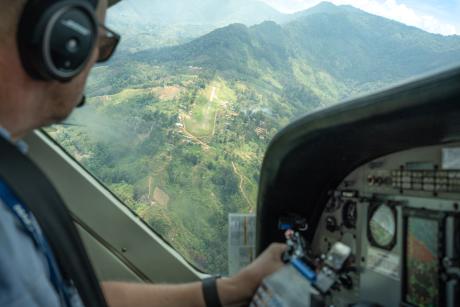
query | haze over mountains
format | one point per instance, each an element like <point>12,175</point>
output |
<point>156,23</point>
<point>186,12</point>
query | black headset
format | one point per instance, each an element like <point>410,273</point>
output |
<point>56,37</point>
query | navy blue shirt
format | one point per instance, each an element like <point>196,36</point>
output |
<point>24,273</point>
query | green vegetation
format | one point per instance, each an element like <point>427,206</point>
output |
<point>179,133</point>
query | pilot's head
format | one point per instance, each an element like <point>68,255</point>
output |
<point>43,72</point>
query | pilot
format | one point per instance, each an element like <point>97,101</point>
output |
<point>40,86</point>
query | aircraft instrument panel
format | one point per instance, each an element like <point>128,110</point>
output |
<point>400,215</point>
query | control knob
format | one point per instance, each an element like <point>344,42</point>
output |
<point>331,224</point>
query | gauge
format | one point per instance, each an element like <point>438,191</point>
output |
<point>382,227</point>
<point>349,214</point>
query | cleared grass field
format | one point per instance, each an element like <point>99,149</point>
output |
<point>200,122</point>
<point>202,119</point>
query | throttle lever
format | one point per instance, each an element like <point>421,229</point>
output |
<point>295,246</point>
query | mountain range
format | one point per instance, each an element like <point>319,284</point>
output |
<point>339,45</point>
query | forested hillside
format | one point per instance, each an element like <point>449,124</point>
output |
<point>179,133</point>
<point>353,48</point>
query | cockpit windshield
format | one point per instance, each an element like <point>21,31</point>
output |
<point>177,122</point>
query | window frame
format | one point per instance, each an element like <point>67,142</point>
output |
<point>127,238</point>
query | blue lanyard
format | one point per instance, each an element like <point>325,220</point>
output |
<point>23,214</point>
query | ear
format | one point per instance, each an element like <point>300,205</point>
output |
<point>56,38</point>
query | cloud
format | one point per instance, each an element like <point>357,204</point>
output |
<point>387,8</point>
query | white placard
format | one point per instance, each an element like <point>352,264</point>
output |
<point>383,262</point>
<point>241,241</point>
<point>451,158</point>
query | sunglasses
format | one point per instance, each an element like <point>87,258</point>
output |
<point>108,42</point>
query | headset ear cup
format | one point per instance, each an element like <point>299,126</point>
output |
<point>56,39</point>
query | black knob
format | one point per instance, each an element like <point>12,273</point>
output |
<point>347,282</point>
<point>331,224</point>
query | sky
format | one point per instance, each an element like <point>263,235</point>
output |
<point>435,16</point>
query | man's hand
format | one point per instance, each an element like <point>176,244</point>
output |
<point>240,288</point>
<point>236,290</point>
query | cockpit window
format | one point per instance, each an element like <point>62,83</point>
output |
<point>177,122</point>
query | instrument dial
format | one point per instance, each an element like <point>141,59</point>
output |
<point>382,227</point>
